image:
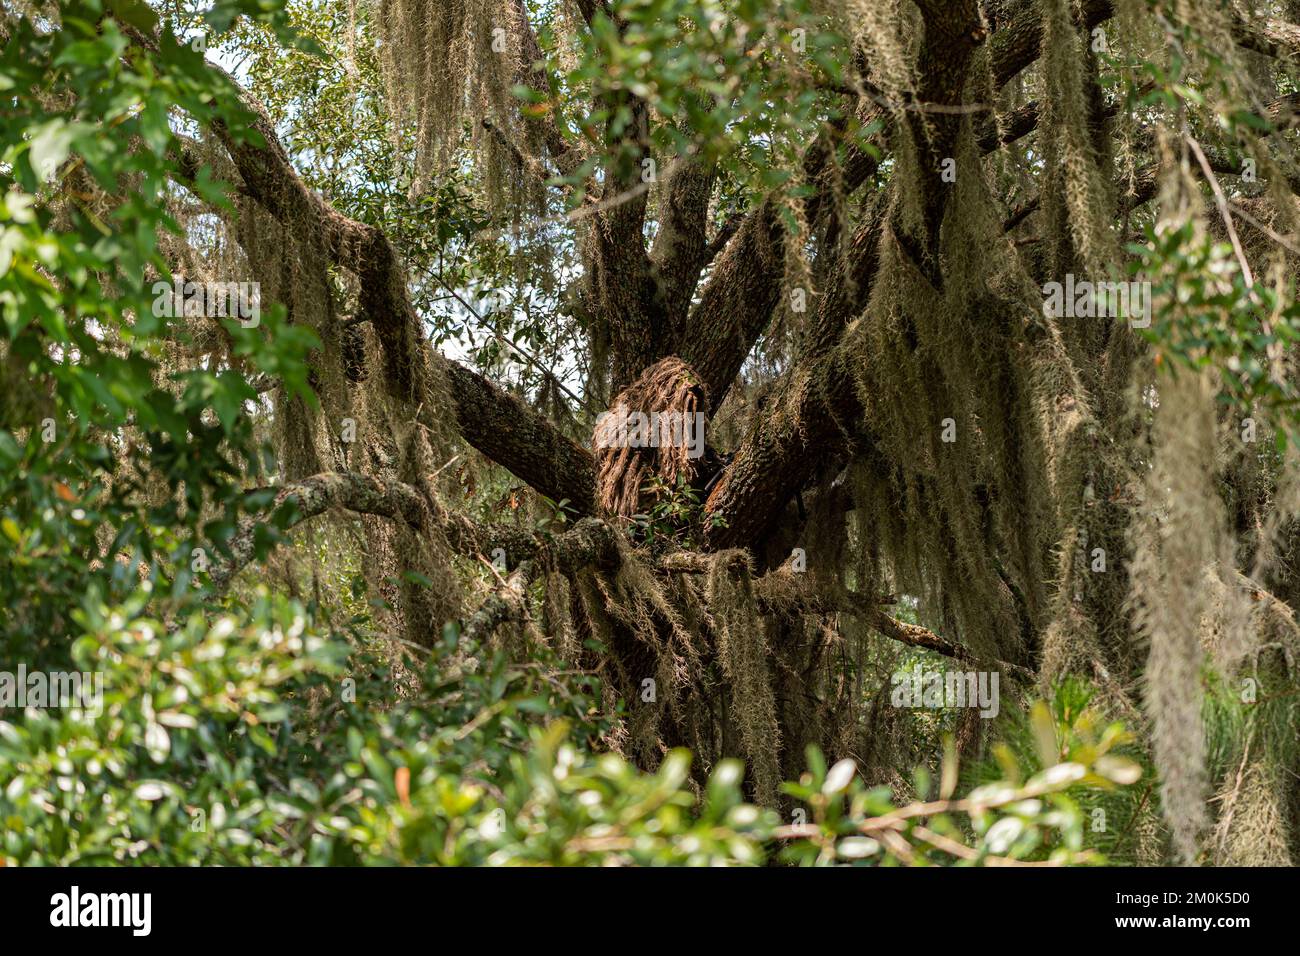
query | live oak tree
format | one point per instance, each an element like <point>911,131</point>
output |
<point>828,227</point>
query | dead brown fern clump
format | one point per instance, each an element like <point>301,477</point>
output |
<point>645,434</point>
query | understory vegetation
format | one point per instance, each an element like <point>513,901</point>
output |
<point>649,432</point>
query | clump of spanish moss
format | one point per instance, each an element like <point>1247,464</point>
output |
<point>886,31</point>
<point>970,441</point>
<point>1174,544</point>
<point>450,68</point>
<point>1253,817</point>
<point>742,649</point>
<point>1076,196</point>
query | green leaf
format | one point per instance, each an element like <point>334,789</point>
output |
<point>50,145</point>
<point>134,13</point>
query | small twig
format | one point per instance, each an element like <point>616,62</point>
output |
<point>493,568</point>
<point>429,478</point>
<point>530,359</point>
<point>1221,201</point>
<point>1279,239</point>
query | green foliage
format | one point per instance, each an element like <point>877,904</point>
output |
<point>1208,316</point>
<point>714,74</point>
<point>1257,712</point>
<point>1113,815</point>
<point>1209,310</point>
<point>97,427</point>
<point>191,714</point>
<point>251,738</point>
<point>676,513</point>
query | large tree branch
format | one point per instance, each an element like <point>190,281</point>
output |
<point>681,245</point>
<point>620,277</point>
<point>589,543</point>
<point>492,421</point>
<point>737,303</point>
<point>1017,35</point>
<point>1275,38</point>
<point>802,426</point>
<point>952,33</point>
<point>515,436</point>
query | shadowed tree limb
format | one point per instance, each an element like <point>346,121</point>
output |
<point>507,602</point>
<point>783,591</point>
<point>591,542</point>
<point>681,247</point>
